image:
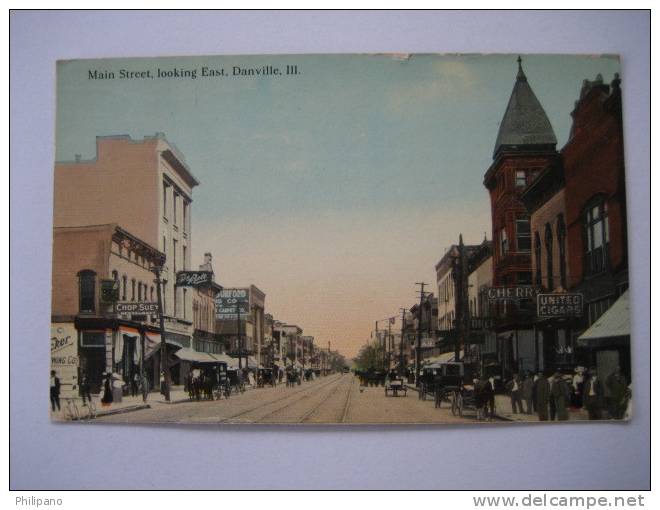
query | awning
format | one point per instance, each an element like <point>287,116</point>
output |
<point>613,325</point>
<point>195,356</point>
<point>223,358</point>
<point>130,332</point>
<point>442,358</point>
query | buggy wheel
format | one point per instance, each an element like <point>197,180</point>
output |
<point>456,403</point>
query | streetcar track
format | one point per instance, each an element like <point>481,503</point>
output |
<point>309,413</point>
<point>344,413</point>
<point>252,409</point>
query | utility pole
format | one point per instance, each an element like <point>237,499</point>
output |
<point>418,350</point>
<point>239,340</point>
<point>403,327</point>
<point>164,363</point>
<point>389,343</point>
<point>462,305</point>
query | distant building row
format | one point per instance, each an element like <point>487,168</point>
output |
<point>116,217</point>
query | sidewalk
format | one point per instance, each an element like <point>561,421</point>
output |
<point>503,411</point>
<point>177,396</point>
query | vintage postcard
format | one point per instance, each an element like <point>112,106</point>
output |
<point>340,239</point>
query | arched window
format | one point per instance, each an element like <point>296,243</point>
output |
<point>124,286</point>
<point>87,291</point>
<point>115,276</point>
<point>537,259</point>
<point>561,239</point>
<point>133,289</point>
<point>548,256</point>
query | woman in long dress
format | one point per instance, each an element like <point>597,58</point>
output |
<point>107,392</point>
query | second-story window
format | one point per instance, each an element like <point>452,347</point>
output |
<point>521,179</point>
<point>504,243</point>
<point>124,286</point>
<point>87,291</point>
<point>561,239</point>
<point>597,238</point>
<point>548,257</point>
<point>537,259</point>
<point>175,200</point>
<point>165,191</point>
<point>185,216</point>
<point>523,235</point>
<point>133,289</point>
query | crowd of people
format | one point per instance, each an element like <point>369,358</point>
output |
<point>551,396</point>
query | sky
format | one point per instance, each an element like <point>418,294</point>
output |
<point>333,190</point>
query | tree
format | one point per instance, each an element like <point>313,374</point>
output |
<point>370,357</point>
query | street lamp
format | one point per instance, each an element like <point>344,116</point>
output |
<point>164,362</point>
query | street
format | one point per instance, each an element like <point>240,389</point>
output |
<point>334,399</point>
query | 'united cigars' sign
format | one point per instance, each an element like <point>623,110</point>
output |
<point>559,305</point>
<point>137,308</point>
<point>512,293</point>
<point>193,278</point>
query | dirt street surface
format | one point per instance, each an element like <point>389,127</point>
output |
<point>334,399</point>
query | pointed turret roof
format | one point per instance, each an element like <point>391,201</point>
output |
<point>524,125</point>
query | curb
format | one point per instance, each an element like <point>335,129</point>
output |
<point>123,410</point>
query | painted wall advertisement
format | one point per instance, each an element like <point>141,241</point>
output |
<point>64,356</point>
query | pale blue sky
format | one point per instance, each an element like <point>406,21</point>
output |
<point>374,159</point>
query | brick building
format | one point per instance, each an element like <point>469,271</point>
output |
<point>525,147</point>
<point>578,224</point>
<point>146,187</point>
<point>87,333</point>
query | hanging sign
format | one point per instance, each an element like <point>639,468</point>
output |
<point>193,278</point>
<point>513,293</point>
<point>137,308</point>
<point>559,305</point>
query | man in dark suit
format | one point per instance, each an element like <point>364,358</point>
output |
<point>617,386</point>
<point>560,396</point>
<point>54,390</point>
<point>594,395</point>
<point>542,396</point>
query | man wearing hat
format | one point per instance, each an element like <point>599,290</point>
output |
<point>542,396</point>
<point>593,395</point>
<point>560,395</point>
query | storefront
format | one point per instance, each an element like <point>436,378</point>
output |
<point>606,343</point>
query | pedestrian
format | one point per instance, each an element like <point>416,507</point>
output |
<point>144,383</point>
<point>480,397</point>
<point>107,398</point>
<point>536,378</point>
<point>594,395</point>
<point>54,391</point>
<point>560,396</point>
<point>578,388</point>
<point>617,386</point>
<point>542,396</point>
<point>84,388</point>
<point>514,386</point>
<point>551,402</point>
<point>528,393</point>
<point>135,384</point>
<point>488,395</point>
